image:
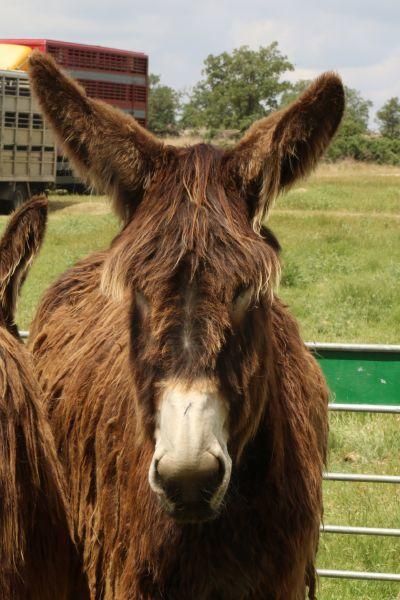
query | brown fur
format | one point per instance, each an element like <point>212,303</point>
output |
<point>111,330</point>
<point>35,541</point>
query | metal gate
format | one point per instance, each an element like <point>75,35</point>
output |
<point>355,373</point>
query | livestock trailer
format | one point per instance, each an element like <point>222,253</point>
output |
<point>118,77</point>
<point>27,149</point>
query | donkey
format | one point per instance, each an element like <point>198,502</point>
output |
<point>36,548</point>
<point>189,416</point>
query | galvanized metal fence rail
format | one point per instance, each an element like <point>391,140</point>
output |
<point>365,478</point>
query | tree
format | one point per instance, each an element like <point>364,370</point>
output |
<point>356,114</point>
<point>164,104</point>
<point>389,119</point>
<point>237,88</point>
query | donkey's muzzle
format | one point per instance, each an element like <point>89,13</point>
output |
<point>191,467</point>
<point>189,488</point>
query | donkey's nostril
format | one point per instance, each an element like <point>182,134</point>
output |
<point>189,483</point>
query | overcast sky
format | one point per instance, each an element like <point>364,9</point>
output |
<point>358,38</point>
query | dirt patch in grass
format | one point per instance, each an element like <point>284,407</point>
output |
<point>184,140</point>
<point>298,212</point>
<point>351,168</point>
<point>85,208</point>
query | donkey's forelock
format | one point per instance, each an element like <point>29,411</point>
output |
<point>192,215</point>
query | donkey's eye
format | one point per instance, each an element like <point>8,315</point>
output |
<point>242,294</point>
<point>241,302</point>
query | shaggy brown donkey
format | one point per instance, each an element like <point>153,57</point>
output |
<point>35,542</point>
<point>191,419</point>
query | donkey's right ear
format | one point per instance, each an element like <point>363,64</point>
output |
<point>109,149</point>
<point>285,146</point>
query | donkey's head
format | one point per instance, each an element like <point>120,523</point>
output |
<point>18,246</point>
<point>197,268</point>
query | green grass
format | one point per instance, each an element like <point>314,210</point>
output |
<point>351,188</point>
<point>323,195</point>
<point>70,236</point>
<point>341,278</point>
<point>341,271</point>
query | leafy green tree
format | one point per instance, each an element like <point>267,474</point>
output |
<point>350,139</point>
<point>237,88</point>
<point>388,118</point>
<point>356,114</point>
<point>164,105</point>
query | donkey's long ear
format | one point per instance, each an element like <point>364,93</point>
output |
<point>19,244</point>
<point>286,145</point>
<point>109,148</point>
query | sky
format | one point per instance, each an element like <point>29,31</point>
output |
<point>360,39</point>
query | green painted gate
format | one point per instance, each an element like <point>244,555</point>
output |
<point>361,374</point>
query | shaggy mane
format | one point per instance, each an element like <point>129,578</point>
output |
<point>189,208</point>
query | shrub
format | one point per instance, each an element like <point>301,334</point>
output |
<point>381,150</point>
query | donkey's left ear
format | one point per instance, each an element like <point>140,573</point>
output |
<point>109,149</point>
<point>19,244</point>
<point>286,145</point>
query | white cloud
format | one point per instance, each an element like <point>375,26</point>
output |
<point>364,51</point>
<point>328,40</point>
<point>378,82</point>
<point>358,38</point>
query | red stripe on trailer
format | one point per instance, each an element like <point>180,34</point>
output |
<point>31,43</point>
<point>101,64</point>
<point>42,43</point>
<point>85,56</point>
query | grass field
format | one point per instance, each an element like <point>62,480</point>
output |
<point>340,233</point>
